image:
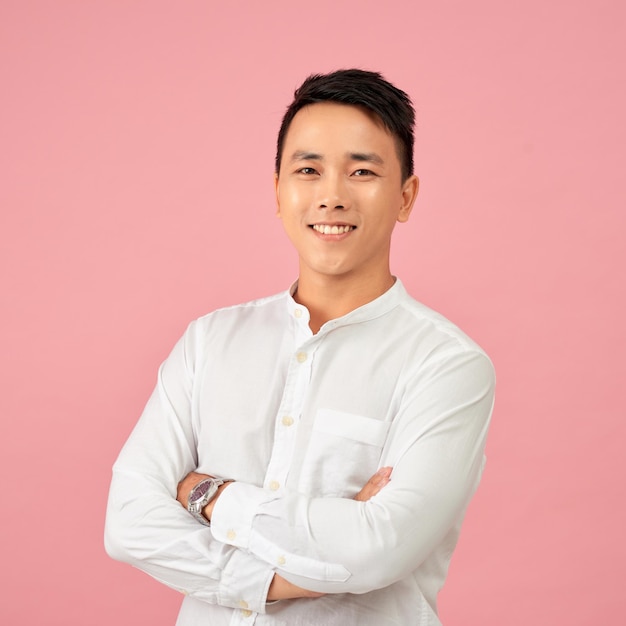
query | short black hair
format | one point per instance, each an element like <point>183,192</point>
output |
<point>360,88</point>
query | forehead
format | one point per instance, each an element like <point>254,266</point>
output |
<point>337,124</point>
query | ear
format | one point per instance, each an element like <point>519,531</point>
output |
<point>276,192</point>
<point>410,187</point>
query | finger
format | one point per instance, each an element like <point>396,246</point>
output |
<point>374,484</point>
<point>382,473</point>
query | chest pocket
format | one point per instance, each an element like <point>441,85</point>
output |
<point>343,452</point>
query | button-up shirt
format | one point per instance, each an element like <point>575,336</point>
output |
<point>301,421</point>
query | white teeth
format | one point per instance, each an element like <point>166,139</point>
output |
<point>326,229</point>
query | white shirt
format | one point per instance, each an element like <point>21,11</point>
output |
<point>301,421</point>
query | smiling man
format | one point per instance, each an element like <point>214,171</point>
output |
<point>308,458</point>
<point>340,190</point>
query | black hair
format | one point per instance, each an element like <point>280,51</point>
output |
<point>361,88</point>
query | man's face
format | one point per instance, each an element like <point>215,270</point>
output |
<point>340,191</point>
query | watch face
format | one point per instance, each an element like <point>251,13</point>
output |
<point>200,490</point>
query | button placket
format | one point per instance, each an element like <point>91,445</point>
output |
<point>296,384</point>
<point>243,617</point>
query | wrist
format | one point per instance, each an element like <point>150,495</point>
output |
<point>207,511</point>
<point>202,495</point>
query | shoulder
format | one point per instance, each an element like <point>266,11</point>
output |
<point>422,317</point>
<point>434,338</point>
<point>247,316</point>
<point>259,306</point>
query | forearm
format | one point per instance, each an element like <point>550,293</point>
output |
<point>280,588</point>
<point>153,533</point>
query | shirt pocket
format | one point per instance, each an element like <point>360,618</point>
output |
<point>343,452</point>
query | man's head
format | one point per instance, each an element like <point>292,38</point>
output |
<point>343,177</point>
<point>368,90</point>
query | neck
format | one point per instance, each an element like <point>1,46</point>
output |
<point>330,297</point>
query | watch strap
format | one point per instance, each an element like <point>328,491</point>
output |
<point>196,507</point>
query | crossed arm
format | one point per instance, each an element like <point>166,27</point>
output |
<point>280,588</point>
<point>435,446</point>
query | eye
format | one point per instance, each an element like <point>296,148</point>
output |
<point>307,171</point>
<point>363,172</point>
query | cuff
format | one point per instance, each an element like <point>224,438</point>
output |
<point>234,512</point>
<point>245,583</point>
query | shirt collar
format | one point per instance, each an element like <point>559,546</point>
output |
<point>376,308</point>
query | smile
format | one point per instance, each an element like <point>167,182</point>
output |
<point>327,229</point>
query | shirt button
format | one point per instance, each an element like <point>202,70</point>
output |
<point>301,356</point>
<point>287,420</point>
<point>243,604</point>
<point>231,534</point>
<point>246,613</point>
<point>274,485</point>
<point>281,560</point>
<point>298,312</point>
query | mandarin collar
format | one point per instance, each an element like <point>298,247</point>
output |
<point>376,308</point>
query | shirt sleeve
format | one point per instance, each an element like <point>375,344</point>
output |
<point>148,528</point>
<point>335,545</point>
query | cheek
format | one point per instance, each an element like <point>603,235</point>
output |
<point>286,198</point>
<point>381,196</point>
<point>384,204</point>
<point>293,202</point>
<point>289,217</point>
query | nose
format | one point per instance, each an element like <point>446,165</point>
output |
<point>333,193</point>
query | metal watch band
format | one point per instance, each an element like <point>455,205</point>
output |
<point>195,508</point>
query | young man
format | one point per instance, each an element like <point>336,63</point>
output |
<point>331,435</point>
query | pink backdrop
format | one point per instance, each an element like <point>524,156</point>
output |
<point>136,193</point>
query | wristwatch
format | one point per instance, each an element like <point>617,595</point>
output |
<point>201,495</point>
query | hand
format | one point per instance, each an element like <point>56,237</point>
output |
<point>281,589</point>
<point>188,483</point>
<point>374,484</point>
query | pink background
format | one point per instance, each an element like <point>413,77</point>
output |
<point>136,194</point>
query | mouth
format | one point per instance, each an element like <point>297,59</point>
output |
<point>332,229</point>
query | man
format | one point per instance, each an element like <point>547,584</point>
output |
<point>331,435</point>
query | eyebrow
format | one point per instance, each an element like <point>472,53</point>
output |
<point>368,157</point>
<point>303,155</point>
